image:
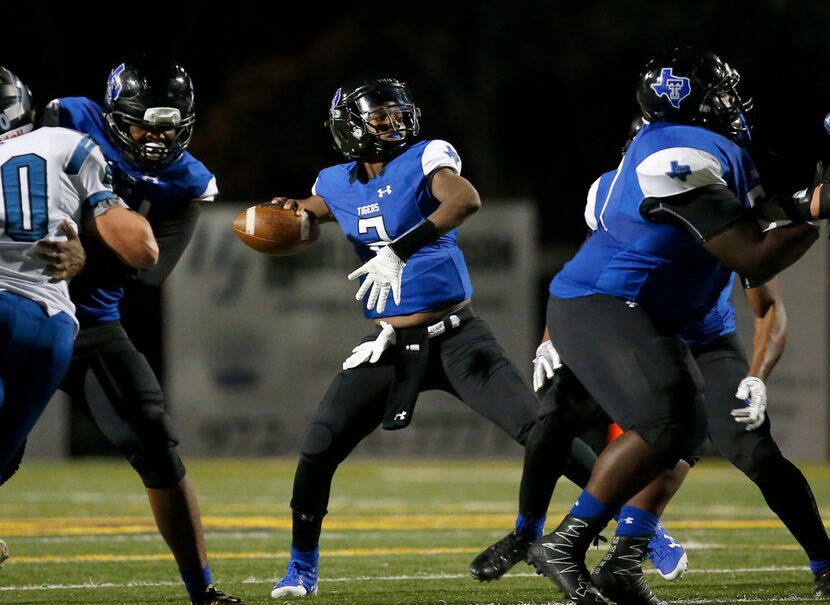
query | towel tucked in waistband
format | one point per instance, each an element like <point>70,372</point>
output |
<point>412,356</point>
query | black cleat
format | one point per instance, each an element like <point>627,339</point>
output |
<point>560,556</point>
<point>620,573</point>
<point>212,596</point>
<point>498,559</point>
<point>823,584</point>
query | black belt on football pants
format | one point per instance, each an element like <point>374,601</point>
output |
<point>411,352</point>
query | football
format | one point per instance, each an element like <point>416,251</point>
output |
<point>275,230</point>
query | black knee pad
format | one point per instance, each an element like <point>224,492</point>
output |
<point>317,441</point>
<point>158,469</point>
<point>671,439</point>
<point>132,420</point>
<point>672,424</point>
<point>762,462</point>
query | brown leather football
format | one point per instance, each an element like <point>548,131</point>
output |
<point>275,230</point>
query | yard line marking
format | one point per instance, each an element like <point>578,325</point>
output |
<point>100,525</point>
<point>343,552</point>
<point>403,578</point>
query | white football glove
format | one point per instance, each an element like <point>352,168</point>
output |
<point>754,394</point>
<point>372,350</point>
<point>383,273</point>
<point>545,364</point>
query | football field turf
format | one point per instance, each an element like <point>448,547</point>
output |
<point>397,532</point>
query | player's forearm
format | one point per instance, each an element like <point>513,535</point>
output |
<point>173,233</point>
<point>768,342</point>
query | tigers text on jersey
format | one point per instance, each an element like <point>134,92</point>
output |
<point>375,213</point>
<point>719,321</point>
<point>46,176</point>
<point>97,292</point>
<point>660,266</point>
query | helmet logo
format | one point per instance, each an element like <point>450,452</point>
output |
<point>338,94</point>
<point>675,88</point>
<point>114,83</point>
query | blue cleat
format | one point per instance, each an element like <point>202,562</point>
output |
<point>668,556</point>
<point>300,580</point>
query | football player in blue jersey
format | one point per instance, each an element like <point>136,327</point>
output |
<point>52,181</point>
<point>143,128</point>
<point>742,433</point>
<point>674,225</point>
<point>400,203</point>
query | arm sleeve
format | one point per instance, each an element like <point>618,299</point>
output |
<point>173,233</point>
<point>705,212</point>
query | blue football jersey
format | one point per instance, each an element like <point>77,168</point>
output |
<point>719,321</point>
<point>660,266</point>
<point>155,194</point>
<point>375,213</point>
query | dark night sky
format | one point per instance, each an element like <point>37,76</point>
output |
<point>536,97</point>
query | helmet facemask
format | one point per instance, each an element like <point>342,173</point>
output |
<point>723,110</point>
<point>174,135</point>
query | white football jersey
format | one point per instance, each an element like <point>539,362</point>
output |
<point>46,176</point>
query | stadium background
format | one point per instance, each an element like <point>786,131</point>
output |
<point>537,98</point>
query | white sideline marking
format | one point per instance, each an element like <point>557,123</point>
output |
<point>441,576</point>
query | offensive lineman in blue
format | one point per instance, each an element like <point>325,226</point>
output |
<point>673,226</point>
<point>143,129</point>
<point>740,431</point>
<point>400,203</point>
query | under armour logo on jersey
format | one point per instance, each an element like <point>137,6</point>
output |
<point>679,171</point>
<point>452,155</point>
<point>400,416</point>
<point>114,83</point>
<point>628,520</point>
<point>385,191</point>
<point>675,88</point>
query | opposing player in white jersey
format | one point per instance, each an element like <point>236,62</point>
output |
<point>52,180</point>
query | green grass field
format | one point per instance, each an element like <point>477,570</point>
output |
<point>397,532</point>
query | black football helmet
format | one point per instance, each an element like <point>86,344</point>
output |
<point>154,95</point>
<point>365,100</point>
<point>693,87</point>
<point>16,113</point>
